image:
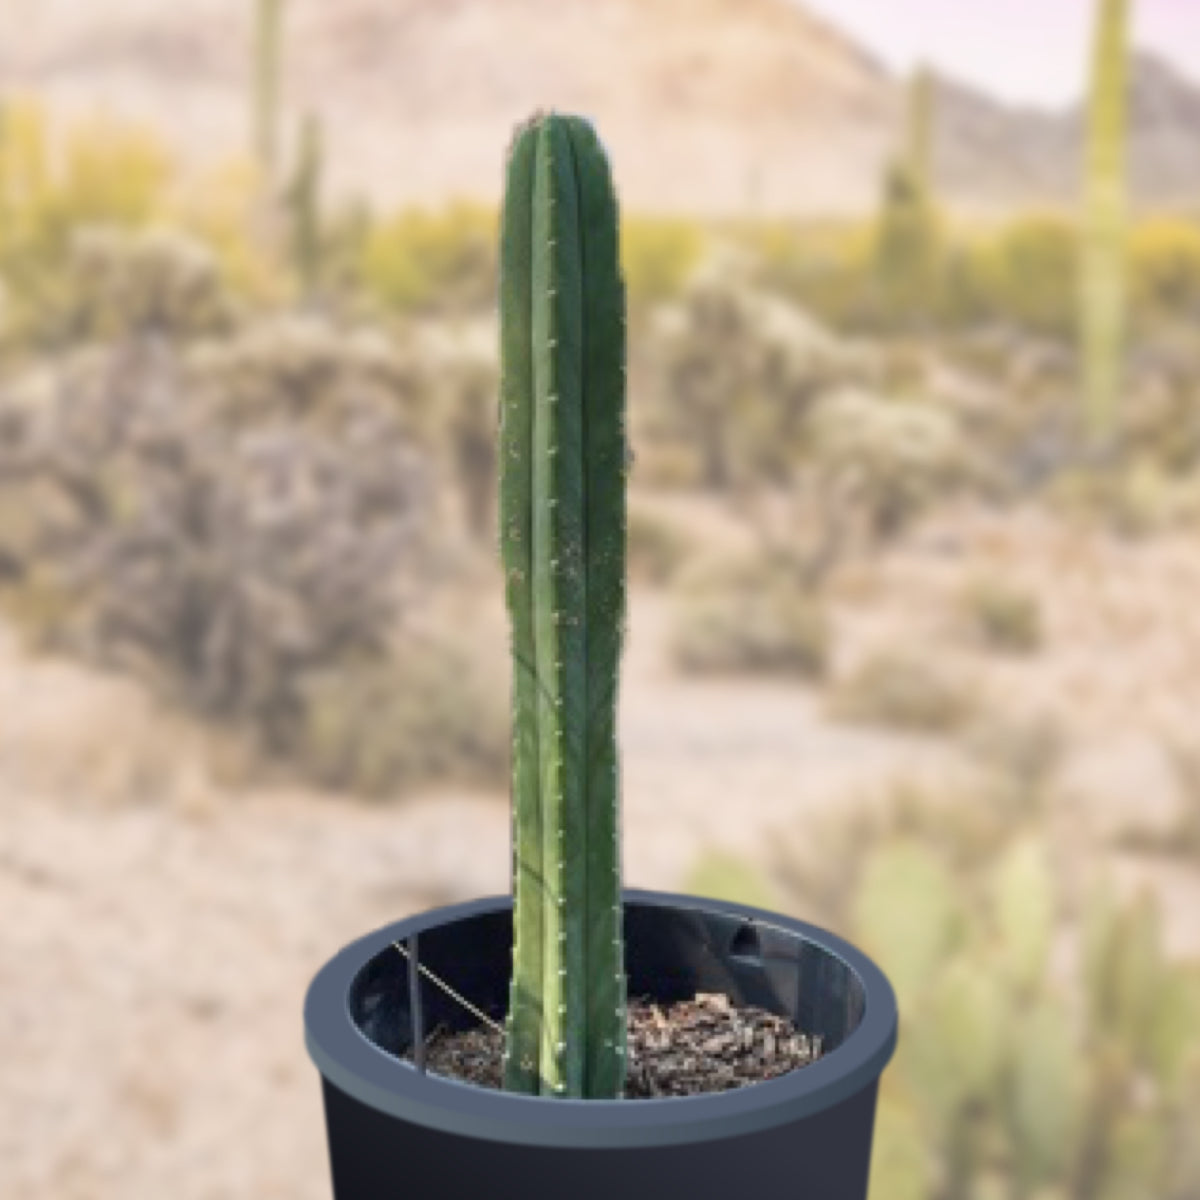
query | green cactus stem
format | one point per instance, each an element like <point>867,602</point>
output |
<point>303,200</point>
<point>268,39</point>
<point>1103,281</point>
<point>562,535</point>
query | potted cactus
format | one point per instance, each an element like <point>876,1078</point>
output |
<point>554,970</point>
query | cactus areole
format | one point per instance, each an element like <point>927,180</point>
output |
<point>551,966</point>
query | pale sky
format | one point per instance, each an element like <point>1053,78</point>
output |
<point>1022,50</point>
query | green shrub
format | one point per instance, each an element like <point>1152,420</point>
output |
<point>434,262</point>
<point>658,254</point>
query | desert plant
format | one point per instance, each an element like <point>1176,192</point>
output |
<point>751,616</point>
<point>1102,313</point>
<point>562,524</point>
<point>377,726</point>
<point>904,691</point>
<point>881,460</point>
<point>122,283</point>
<point>657,547</point>
<point>268,44</point>
<point>908,248</point>
<point>740,370</point>
<point>303,201</point>
<point>433,262</point>
<point>224,562</point>
<point>1003,616</point>
<point>1018,1077</point>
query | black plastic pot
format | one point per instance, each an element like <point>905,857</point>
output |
<point>395,1131</point>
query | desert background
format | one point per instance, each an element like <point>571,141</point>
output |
<point>914,544</point>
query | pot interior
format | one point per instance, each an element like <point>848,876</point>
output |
<point>671,952</point>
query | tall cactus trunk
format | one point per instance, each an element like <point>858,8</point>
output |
<point>303,201</point>
<point>268,40</point>
<point>1102,333</point>
<point>920,132</point>
<point>562,534</point>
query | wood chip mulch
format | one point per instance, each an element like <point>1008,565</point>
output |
<point>694,1046</point>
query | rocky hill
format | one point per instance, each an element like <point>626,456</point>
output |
<point>708,106</point>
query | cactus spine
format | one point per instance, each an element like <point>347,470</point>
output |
<point>562,537</point>
<point>1103,283</point>
<point>268,38</point>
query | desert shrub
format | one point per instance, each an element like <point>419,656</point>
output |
<point>434,262</point>
<point>656,548</point>
<point>1165,269</point>
<point>460,366</point>
<point>1031,274</point>
<point>748,616</point>
<point>1023,750</point>
<point>376,727</point>
<point>56,181</point>
<point>226,562</point>
<point>825,268</point>
<point>885,459</point>
<point>304,369</point>
<point>120,283</point>
<point>906,691</point>
<point>1160,422</point>
<point>1135,500</point>
<point>220,208</point>
<point>1003,616</point>
<point>737,373</point>
<point>658,254</point>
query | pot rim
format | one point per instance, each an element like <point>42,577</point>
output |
<point>351,1062</point>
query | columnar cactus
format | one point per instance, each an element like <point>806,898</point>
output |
<point>268,38</point>
<point>921,101</point>
<point>303,200</point>
<point>562,534</point>
<point>1103,300</point>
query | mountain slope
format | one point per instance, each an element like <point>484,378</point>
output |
<point>707,106</point>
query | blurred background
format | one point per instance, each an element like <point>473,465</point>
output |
<point>913,647</point>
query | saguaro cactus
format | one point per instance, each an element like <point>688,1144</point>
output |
<point>562,534</point>
<point>921,100</point>
<point>303,200</point>
<point>908,245</point>
<point>1103,282</point>
<point>268,39</point>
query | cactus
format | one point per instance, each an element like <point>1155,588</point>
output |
<point>921,99</point>
<point>1024,903</point>
<point>268,38</point>
<point>562,523</point>
<point>303,200</point>
<point>908,249</point>
<point>1103,280</point>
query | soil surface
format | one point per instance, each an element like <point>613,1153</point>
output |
<point>688,1048</point>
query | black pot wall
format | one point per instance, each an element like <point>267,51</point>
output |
<point>394,1131</point>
